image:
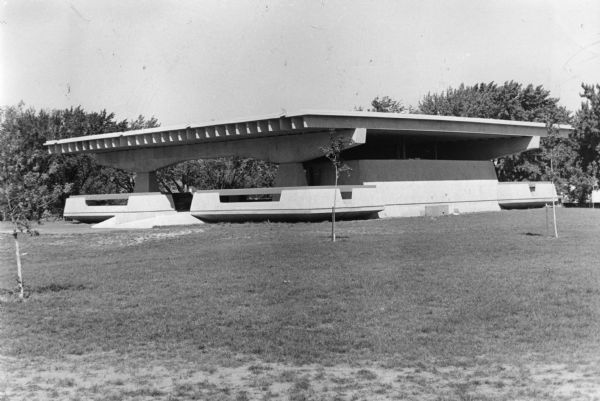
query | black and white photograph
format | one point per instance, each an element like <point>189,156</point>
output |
<point>300,200</point>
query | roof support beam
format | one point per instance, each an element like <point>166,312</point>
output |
<point>292,148</point>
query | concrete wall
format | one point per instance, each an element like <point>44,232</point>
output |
<point>290,175</point>
<point>413,198</point>
<point>300,203</point>
<point>516,195</point>
<point>412,187</point>
<point>404,187</point>
<point>142,205</point>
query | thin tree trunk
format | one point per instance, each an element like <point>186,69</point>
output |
<point>19,273</point>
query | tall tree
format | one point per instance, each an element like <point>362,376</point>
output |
<point>40,182</point>
<point>26,170</point>
<point>509,101</point>
<point>513,101</point>
<point>587,143</point>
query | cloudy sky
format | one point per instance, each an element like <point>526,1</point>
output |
<point>194,61</point>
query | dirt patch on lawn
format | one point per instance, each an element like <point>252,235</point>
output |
<point>108,376</point>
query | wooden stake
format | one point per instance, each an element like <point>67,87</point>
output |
<point>554,216</point>
<point>19,273</point>
<point>547,229</point>
<point>333,208</point>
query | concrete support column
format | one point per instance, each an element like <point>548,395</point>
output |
<point>145,181</point>
<point>291,175</point>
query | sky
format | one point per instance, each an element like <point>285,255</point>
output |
<point>197,61</point>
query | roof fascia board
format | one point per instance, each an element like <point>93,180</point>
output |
<point>416,125</point>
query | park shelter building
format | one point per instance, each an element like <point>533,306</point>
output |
<point>401,165</point>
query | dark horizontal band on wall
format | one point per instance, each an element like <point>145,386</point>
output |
<point>403,170</point>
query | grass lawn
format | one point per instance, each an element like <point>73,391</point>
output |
<point>471,307</point>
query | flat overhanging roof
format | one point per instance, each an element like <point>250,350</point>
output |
<point>309,121</point>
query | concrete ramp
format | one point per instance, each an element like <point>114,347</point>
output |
<point>142,220</point>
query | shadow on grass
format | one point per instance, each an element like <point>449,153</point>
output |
<point>57,288</point>
<point>8,295</point>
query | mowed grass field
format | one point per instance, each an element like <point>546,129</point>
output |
<point>471,307</point>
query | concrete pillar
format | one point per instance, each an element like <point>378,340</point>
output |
<point>291,175</point>
<point>145,181</point>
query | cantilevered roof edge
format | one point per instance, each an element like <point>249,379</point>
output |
<point>305,114</point>
<point>430,117</point>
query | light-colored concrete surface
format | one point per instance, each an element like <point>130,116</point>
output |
<point>288,203</point>
<point>78,207</point>
<point>410,198</point>
<point>145,220</point>
<point>53,227</point>
<point>513,195</point>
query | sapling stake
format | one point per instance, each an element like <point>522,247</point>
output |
<point>19,272</point>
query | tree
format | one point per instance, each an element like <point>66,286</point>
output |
<point>15,211</point>
<point>333,151</point>
<point>386,105</point>
<point>17,200</point>
<point>509,101</point>
<point>587,143</point>
<point>82,170</point>
<point>26,170</point>
<point>513,101</point>
<point>40,182</point>
<point>220,173</point>
<point>34,183</point>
